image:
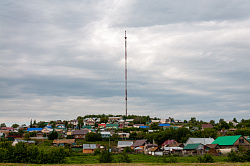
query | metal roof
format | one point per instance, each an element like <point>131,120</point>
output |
<point>203,141</point>
<point>89,146</point>
<point>226,140</point>
<point>34,129</point>
<point>139,143</point>
<point>84,131</point>
<point>191,146</point>
<point>164,125</point>
<point>124,143</point>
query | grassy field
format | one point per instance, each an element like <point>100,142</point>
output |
<point>135,158</point>
<point>141,159</point>
<point>80,159</point>
<point>132,164</point>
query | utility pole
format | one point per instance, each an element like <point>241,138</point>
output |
<point>126,90</point>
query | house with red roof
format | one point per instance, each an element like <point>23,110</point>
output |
<point>102,126</point>
<point>206,126</point>
<point>168,142</point>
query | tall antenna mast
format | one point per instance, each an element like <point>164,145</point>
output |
<point>126,89</point>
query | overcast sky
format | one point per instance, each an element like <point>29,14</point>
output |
<point>62,59</point>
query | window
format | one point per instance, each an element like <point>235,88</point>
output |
<point>241,141</point>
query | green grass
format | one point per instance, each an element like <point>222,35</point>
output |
<point>80,158</point>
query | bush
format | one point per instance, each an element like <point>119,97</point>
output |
<point>128,150</point>
<point>170,159</point>
<point>241,156</point>
<point>105,157</point>
<point>206,158</point>
<point>124,158</point>
<point>53,135</point>
<point>97,152</point>
<point>23,153</point>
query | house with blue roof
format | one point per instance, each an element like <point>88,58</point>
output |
<point>164,125</point>
<point>34,129</point>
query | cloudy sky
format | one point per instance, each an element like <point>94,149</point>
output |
<point>65,58</point>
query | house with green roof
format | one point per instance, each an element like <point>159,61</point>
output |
<point>194,149</point>
<point>111,126</point>
<point>227,142</point>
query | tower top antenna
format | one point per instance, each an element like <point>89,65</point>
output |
<point>126,91</point>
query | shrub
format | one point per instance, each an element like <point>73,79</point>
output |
<point>170,159</point>
<point>241,156</point>
<point>124,158</point>
<point>97,152</point>
<point>23,153</point>
<point>105,157</point>
<point>128,150</point>
<point>206,158</point>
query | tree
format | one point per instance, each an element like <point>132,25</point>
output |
<point>235,120</point>
<point>181,134</point>
<point>212,122</point>
<point>124,158</point>
<point>193,120</point>
<point>15,125</point>
<point>66,123</point>
<point>31,123</point>
<point>221,120</point>
<point>3,125</point>
<point>224,125</point>
<point>115,137</point>
<point>154,126</point>
<point>80,122</point>
<point>41,124</point>
<point>104,120</point>
<point>92,137</point>
<point>53,135</point>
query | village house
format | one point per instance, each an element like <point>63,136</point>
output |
<point>88,148</point>
<point>7,128</point>
<point>80,134</point>
<point>73,122</point>
<point>229,142</point>
<point>123,144</point>
<point>154,151</point>
<point>155,121</point>
<point>105,134</point>
<point>213,149</point>
<point>139,143</point>
<point>206,126</point>
<point>112,126</point>
<point>124,135</point>
<point>114,119</point>
<point>194,149</point>
<point>34,129</point>
<point>202,141</point>
<point>167,142</point>
<point>163,121</point>
<point>138,125</point>
<point>102,126</point>
<point>172,149</point>
<point>63,142</point>
<point>164,126</point>
<point>89,122</point>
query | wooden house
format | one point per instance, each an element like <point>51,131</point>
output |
<point>229,142</point>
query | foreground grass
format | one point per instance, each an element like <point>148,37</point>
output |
<point>132,164</point>
<point>135,158</point>
<point>80,159</point>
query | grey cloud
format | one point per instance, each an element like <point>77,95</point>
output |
<point>149,13</point>
<point>63,59</point>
